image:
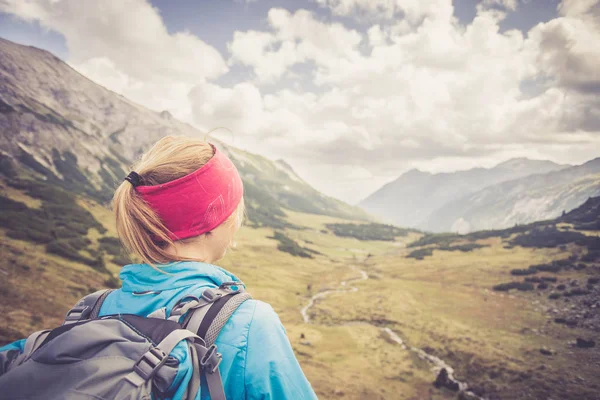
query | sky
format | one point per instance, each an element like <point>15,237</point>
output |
<point>351,93</point>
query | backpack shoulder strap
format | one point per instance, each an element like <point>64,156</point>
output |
<point>207,321</point>
<point>87,308</point>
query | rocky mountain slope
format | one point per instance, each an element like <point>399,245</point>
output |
<point>82,136</point>
<point>533,198</point>
<point>414,196</point>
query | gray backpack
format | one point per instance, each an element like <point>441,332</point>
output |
<point>122,356</point>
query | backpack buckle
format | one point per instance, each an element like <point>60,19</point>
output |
<point>77,313</point>
<point>150,362</point>
<point>210,295</point>
<point>211,360</point>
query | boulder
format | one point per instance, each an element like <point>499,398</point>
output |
<point>585,344</point>
<point>444,381</point>
<point>547,351</point>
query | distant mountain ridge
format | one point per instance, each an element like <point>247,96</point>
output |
<point>63,126</point>
<point>519,201</point>
<point>411,199</point>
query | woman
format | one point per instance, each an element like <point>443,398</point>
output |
<point>179,212</point>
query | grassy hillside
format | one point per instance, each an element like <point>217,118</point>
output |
<point>443,304</point>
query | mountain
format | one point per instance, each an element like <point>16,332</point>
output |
<point>520,201</point>
<point>415,195</point>
<point>83,137</point>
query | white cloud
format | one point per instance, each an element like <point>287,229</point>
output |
<point>352,109</point>
<point>125,46</point>
<point>412,10</point>
<point>507,4</point>
<point>433,95</point>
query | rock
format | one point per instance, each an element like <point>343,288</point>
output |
<point>444,381</point>
<point>547,351</point>
<point>585,344</point>
<point>467,396</point>
<point>302,336</point>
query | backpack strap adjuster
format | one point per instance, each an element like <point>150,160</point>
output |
<point>150,362</point>
<point>211,295</point>
<point>211,359</point>
<point>78,313</point>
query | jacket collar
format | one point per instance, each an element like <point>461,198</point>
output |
<point>142,277</point>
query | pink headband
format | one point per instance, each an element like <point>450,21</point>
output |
<point>199,202</point>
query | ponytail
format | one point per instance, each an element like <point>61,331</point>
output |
<point>139,227</point>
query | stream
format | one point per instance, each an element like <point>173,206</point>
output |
<point>437,363</point>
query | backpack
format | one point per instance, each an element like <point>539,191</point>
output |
<point>123,356</point>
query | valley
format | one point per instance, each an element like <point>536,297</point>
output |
<point>347,306</point>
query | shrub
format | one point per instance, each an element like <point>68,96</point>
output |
<point>111,245</point>
<point>121,260</point>
<point>64,249</point>
<point>576,292</point>
<point>542,286</point>
<point>370,231</point>
<point>554,296</point>
<point>521,272</point>
<point>290,246</point>
<point>522,286</point>
<point>7,204</point>
<point>112,282</point>
<point>420,254</point>
<point>7,167</point>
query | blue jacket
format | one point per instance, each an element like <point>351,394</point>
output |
<point>258,360</point>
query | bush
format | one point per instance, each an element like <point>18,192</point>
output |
<point>112,282</point>
<point>7,204</point>
<point>542,286</point>
<point>7,167</point>
<point>121,259</point>
<point>521,272</point>
<point>64,249</point>
<point>522,286</point>
<point>111,245</point>
<point>591,256</point>
<point>576,292</point>
<point>554,296</point>
<point>420,254</point>
<point>288,245</point>
<point>462,247</point>
<point>370,231</point>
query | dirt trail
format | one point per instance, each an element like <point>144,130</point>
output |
<point>437,363</point>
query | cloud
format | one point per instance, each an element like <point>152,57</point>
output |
<point>125,46</point>
<point>411,10</point>
<point>566,49</point>
<point>293,39</point>
<point>353,108</point>
<point>130,33</point>
<point>432,94</point>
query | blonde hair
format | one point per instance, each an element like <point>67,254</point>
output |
<point>139,227</point>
